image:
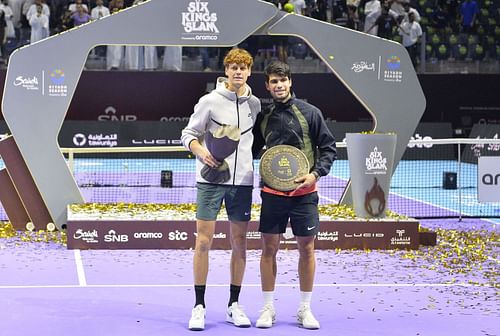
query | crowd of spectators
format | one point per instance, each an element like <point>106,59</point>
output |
<point>455,29</point>
<point>450,26</point>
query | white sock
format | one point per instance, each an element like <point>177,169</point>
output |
<point>305,298</point>
<point>268,297</point>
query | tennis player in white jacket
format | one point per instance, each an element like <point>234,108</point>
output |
<point>231,103</point>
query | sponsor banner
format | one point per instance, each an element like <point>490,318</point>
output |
<point>424,131</point>
<point>118,235</point>
<point>488,184</point>
<point>471,153</point>
<point>385,68</point>
<point>171,96</point>
<point>86,134</point>
<point>430,131</point>
<point>46,82</point>
<point>94,134</point>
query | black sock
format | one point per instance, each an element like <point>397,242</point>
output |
<point>199,291</point>
<point>235,293</point>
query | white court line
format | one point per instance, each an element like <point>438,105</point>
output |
<point>82,280</point>
<point>250,285</point>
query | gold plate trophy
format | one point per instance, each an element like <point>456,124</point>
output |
<point>281,165</point>
<point>222,143</point>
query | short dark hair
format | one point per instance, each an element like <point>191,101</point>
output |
<point>277,68</point>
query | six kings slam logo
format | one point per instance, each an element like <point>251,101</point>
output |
<point>199,22</point>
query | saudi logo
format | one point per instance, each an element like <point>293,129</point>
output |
<point>57,77</point>
<point>393,63</point>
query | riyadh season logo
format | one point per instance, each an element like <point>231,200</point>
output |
<point>392,72</point>
<point>375,163</point>
<point>199,22</point>
<point>57,88</point>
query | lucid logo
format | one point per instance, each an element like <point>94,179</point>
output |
<point>489,179</point>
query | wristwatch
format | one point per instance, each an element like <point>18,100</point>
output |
<point>316,175</point>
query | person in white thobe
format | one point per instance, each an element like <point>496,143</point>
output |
<point>172,58</point>
<point>372,12</point>
<point>39,23</point>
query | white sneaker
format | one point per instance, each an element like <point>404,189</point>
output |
<point>237,316</point>
<point>197,320</point>
<point>306,318</point>
<point>267,317</point>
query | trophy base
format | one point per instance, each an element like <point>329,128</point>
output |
<point>217,175</point>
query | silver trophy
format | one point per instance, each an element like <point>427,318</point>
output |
<point>222,143</point>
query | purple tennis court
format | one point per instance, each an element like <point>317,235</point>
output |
<point>449,289</point>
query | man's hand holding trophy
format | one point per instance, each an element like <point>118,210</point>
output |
<point>221,143</point>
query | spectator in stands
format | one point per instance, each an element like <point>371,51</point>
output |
<point>3,38</point>
<point>39,23</point>
<point>372,12</point>
<point>299,6</point>
<point>141,57</point>
<point>290,121</point>
<point>16,6</point>
<point>352,17</point>
<point>99,11</point>
<point>172,58</point>
<point>9,28</point>
<point>116,5</point>
<point>57,9</point>
<point>439,20</point>
<point>385,22</point>
<point>231,103</point>
<point>65,22</point>
<point>74,6</point>
<point>339,12</point>
<point>451,8</point>
<point>318,10</point>
<point>80,16</point>
<point>411,33</point>
<point>114,53</point>
<point>407,9</point>
<point>32,10</point>
<point>468,13</point>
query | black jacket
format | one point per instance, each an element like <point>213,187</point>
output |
<point>299,124</point>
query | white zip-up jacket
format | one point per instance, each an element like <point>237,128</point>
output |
<point>224,107</point>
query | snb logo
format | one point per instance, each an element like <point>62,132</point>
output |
<point>79,139</point>
<point>177,235</point>
<point>113,237</point>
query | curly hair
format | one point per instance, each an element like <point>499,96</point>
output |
<point>277,68</point>
<point>238,56</point>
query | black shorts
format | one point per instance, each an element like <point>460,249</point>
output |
<point>302,211</point>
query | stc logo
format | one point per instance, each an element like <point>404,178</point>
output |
<point>420,145</point>
<point>177,235</point>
